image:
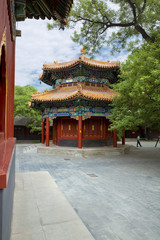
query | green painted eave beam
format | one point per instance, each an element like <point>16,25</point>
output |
<point>50,76</point>
<point>20,10</point>
<point>42,8</point>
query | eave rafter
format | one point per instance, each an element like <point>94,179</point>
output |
<point>56,9</point>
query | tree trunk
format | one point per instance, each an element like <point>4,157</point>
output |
<point>143,33</point>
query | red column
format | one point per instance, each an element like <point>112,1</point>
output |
<point>47,131</point>
<point>42,134</point>
<point>123,138</point>
<point>58,122</point>
<point>53,132</point>
<point>105,131</point>
<point>79,131</point>
<point>115,138</point>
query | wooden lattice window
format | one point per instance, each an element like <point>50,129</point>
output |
<point>68,128</point>
<point>93,127</point>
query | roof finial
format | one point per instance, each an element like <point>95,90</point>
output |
<point>82,51</point>
<point>55,62</point>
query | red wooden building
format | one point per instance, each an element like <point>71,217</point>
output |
<point>78,105</point>
<point>10,12</point>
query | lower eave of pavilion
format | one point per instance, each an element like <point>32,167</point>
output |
<point>79,91</point>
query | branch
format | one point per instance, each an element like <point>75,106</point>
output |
<point>133,9</point>
<point>121,24</point>
<point>75,21</point>
<point>104,30</point>
<point>143,33</point>
<point>141,10</point>
<point>104,17</point>
<point>144,5</point>
<point>106,24</point>
<point>89,29</point>
<point>89,20</point>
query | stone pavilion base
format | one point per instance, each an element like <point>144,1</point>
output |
<point>84,152</point>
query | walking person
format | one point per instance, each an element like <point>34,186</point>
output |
<point>158,139</point>
<point>138,141</point>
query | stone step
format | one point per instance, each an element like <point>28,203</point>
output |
<point>29,148</point>
<point>84,152</point>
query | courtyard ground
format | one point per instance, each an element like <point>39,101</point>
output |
<point>116,197</point>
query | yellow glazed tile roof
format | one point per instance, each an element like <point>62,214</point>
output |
<point>81,59</point>
<point>80,90</point>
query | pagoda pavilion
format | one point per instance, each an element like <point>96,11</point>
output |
<point>79,103</point>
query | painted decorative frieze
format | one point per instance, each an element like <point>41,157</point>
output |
<point>74,112</point>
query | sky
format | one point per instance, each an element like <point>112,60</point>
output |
<point>37,46</point>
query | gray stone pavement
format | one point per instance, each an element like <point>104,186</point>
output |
<point>41,212</point>
<point>117,197</point>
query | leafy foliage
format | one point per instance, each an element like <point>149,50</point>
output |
<point>21,108</point>
<point>126,18</point>
<point>138,102</point>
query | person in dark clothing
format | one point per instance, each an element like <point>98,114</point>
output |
<point>138,141</point>
<point>158,139</point>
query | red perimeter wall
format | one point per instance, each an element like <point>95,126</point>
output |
<point>7,67</point>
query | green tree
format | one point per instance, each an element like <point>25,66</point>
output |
<point>21,108</point>
<point>138,102</point>
<point>127,18</point>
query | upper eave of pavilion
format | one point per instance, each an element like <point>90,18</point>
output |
<point>81,60</point>
<point>103,93</point>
